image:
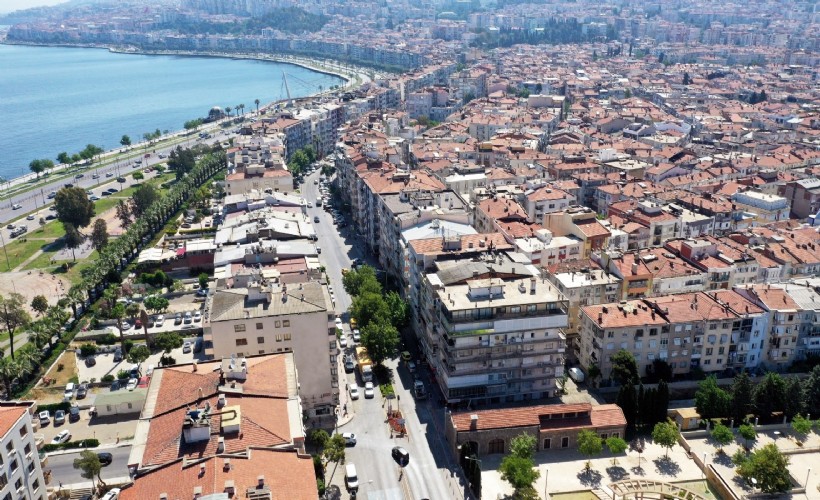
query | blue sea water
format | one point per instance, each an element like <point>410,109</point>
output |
<point>55,99</point>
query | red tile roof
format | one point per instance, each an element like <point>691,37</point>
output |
<point>505,418</point>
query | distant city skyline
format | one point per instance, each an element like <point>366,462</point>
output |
<point>12,5</point>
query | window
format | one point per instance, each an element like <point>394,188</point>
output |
<point>3,480</point>
<point>664,341</point>
<point>259,326</point>
<point>677,341</point>
<point>604,436</point>
<point>709,351</point>
<point>261,351</point>
<point>30,467</point>
<point>23,431</point>
<point>279,337</point>
<point>277,323</point>
<point>35,485</point>
<point>639,345</point>
<point>10,446</point>
<point>241,342</point>
<point>564,442</point>
<point>287,337</point>
<point>19,483</point>
<point>547,443</point>
<point>286,323</point>
<point>610,335</point>
<point>615,434</point>
<point>13,466</point>
<point>707,362</point>
<point>239,328</point>
<point>721,350</point>
<point>260,340</point>
<point>27,449</point>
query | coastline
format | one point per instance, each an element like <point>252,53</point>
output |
<point>351,75</point>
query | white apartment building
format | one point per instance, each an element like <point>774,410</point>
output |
<point>21,475</point>
<point>268,318</point>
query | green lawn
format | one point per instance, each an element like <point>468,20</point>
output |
<point>19,250</point>
<point>44,259</point>
<point>52,230</point>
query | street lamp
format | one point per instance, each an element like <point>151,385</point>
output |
<point>807,478</point>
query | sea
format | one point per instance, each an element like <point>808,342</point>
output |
<point>55,99</point>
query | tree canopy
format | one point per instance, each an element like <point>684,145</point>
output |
<point>40,166</point>
<point>99,234</point>
<point>624,367</point>
<point>722,435</point>
<point>361,280</point>
<point>589,444</point>
<point>381,340</point>
<point>768,466</point>
<point>73,207</point>
<point>168,341</point>
<point>518,468</point>
<point>710,400</point>
<point>13,314</point>
<point>665,434</point>
<point>90,465</point>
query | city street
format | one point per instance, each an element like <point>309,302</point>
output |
<point>428,474</point>
<point>63,471</point>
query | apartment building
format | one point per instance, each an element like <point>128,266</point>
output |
<point>582,223</point>
<point>764,207</point>
<point>495,332</point>
<point>267,318</point>
<point>21,474</point>
<point>710,331</point>
<point>803,196</point>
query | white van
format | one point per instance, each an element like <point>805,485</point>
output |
<point>351,478</point>
<point>69,391</point>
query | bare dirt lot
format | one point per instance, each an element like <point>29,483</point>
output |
<point>31,284</point>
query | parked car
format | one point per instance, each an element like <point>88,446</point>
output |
<point>16,206</point>
<point>188,318</point>
<point>177,319</point>
<point>343,342</point>
<point>118,355</point>
<point>132,384</point>
<point>109,174</point>
<point>74,414</point>
<point>30,217</point>
<point>350,365</point>
<point>368,390</point>
<point>62,437</point>
<point>197,316</point>
<point>59,417</point>
<point>356,336</point>
<point>105,458</point>
<point>69,391</point>
<point>186,347</point>
<point>159,321</point>
<point>350,438</point>
<point>401,455</point>
<point>354,391</point>
<point>45,418</point>
<point>82,391</point>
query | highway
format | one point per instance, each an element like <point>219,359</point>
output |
<point>63,471</point>
<point>428,473</point>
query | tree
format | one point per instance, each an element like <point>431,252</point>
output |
<point>659,370</point>
<point>686,79</point>
<point>629,405</point>
<point>361,280</point>
<point>99,235</point>
<point>769,395</point>
<point>616,446</point>
<point>801,426</point>
<point>40,304</point>
<point>72,239</point>
<point>74,207</point>
<point>203,280</point>
<point>116,311</point>
<point>123,211</point>
<point>742,397</point>
<point>710,400</point>
<point>369,307</point>
<point>90,465</point>
<point>138,354</point>
<point>125,140</point>
<point>794,400</point>
<point>747,432</point>
<point>589,444</point>
<point>168,341</point>
<point>14,315</point>
<point>812,391</point>
<point>40,166</point>
<point>398,308</point>
<point>143,197</point>
<point>228,110</point>
<point>156,304</point>
<point>518,467</point>
<point>722,436</point>
<point>64,158</point>
<point>334,451</point>
<point>624,367</point>
<point>256,101</point>
<point>381,340</point>
<point>665,434</point>
<point>769,467</point>
<point>661,409</point>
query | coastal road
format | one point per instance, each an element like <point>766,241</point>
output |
<point>428,473</point>
<point>63,471</point>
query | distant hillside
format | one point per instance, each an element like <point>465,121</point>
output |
<point>289,19</point>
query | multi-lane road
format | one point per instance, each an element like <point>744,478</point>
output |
<point>63,471</point>
<point>429,472</point>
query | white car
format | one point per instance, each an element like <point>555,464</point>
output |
<point>354,391</point>
<point>197,316</point>
<point>159,321</point>
<point>350,438</point>
<point>132,384</point>
<point>368,390</point>
<point>109,174</point>
<point>338,322</point>
<point>356,335</point>
<point>62,437</point>
<point>342,341</point>
<point>45,417</point>
<point>113,494</point>
<point>30,217</point>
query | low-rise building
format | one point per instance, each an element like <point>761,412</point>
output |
<point>21,475</point>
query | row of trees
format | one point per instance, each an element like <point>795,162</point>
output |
<point>773,394</point>
<point>643,407</point>
<point>378,314</point>
<point>40,165</point>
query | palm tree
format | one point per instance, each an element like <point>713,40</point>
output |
<point>255,101</point>
<point>228,110</point>
<point>10,370</point>
<point>40,333</point>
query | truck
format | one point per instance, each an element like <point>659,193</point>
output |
<point>365,365</point>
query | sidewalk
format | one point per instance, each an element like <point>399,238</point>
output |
<point>344,395</point>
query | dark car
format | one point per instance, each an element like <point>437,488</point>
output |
<point>90,361</point>
<point>82,391</point>
<point>105,458</point>
<point>401,456</point>
<point>115,385</point>
<point>118,355</point>
<point>74,414</point>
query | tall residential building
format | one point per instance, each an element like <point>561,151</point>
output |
<point>21,475</point>
<point>275,318</point>
<point>497,331</point>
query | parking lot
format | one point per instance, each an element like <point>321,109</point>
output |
<point>108,430</point>
<point>105,364</point>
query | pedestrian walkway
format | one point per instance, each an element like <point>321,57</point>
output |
<point>27,261</point>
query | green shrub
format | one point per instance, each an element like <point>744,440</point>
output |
<point>107,378</point>
<point>128,344</point>
<point>108,339</point>
<point>75,379</point>
<point>71,445</point>
<point>65,406</point>
<point>123,374</point>
<point>87,350</point>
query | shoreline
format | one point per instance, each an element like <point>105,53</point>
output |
<point>351,76</point>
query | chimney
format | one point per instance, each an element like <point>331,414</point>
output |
<point>221,401</point>
<point>473,422</point>
<point>635,268</point>
<point>201,394</point>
